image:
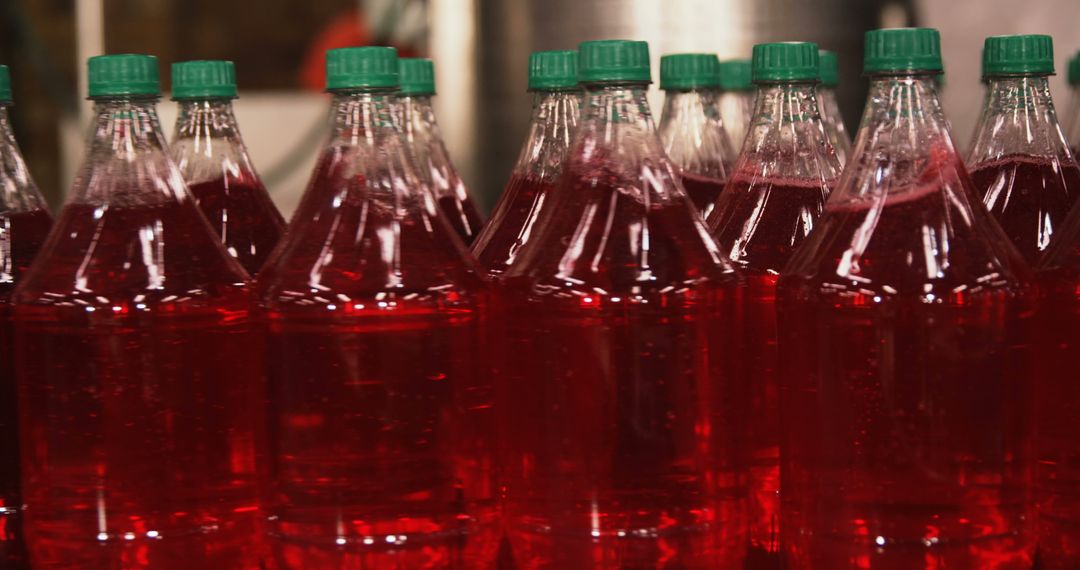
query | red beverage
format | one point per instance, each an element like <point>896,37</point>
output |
<point>380,406</point>
<point>21,235</point>
<point>512,224</point>
<point>619,402</point>
<point>770,205</point>
<point>760,241</point>
<point>1057,474</point>
<point>703,190</point>
<point>1029,196</point>
<point>462,215</point>
<point>911,412</point>
<point>248,224</point>
<point>138,376</point>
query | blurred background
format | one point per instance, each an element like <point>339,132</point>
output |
<point>480,48</point>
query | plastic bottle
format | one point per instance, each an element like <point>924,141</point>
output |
<point>616,396</point>
<point>379,402</point>
<point>783,177</point>
<point>426,144</point>
<point>691,128</point>
<point>214,161</point>
<point>555,115</point>
<point>1057,474</point>
<point>140,383</point>
<point>1020,162</point>
<point>736,99</point>
<point>905,390</point>
<point>24,223</point>
<point>830,107</point>
<point>1071,121</point>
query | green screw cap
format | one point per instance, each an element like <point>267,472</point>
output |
<point>1027,54</point>
<point>902,50</point>
<point>829,66</point>
<point>553,70</point>
<point>785,61</point>
<point>683,71</point>
<point>736,74</point>
<point>5,84</point>
<point>1074,70</point>
<point>207,79</point>
<point>417,76</point>
<point>362,67</point>
<point>614,61</point>
<point>123,75</point>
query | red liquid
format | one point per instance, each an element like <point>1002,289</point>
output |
<point>462,215</point>
<point>512,223</point>
<point>1058,418</point>
<point>759,223</point>
<point>21,235</point>
<point>619,420</point>
<point>381,408</point>
<point>241,212</point>
<point>905,397</point>
<point>139,384</point>
<point>703,191</point>
<point>1028,198</point>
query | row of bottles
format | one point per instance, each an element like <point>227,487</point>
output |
<point>652,337</point>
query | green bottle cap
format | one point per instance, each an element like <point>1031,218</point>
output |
<point>785,61</point>
<point>901,50</point>
<point>417,76</point>
<point>736,75</point>
<point>683,71</point>
<point>553,70</point>
<point>5,84</point>
<point>614,61</point>
<point>829,66</point>
<point>1074,70</point>
<point>1027,54</point>
<point>122,75</point>
<point>362,67</point>
<point>207,79</point>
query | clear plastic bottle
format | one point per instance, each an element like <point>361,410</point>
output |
<point>691,127</point>
<point>555,116</point>
<point>214,161</point>
<point>904,386</point>
<point>140,384</point>
<point>617,403</point>
<point>380,405</point>
<point>736,99</point>
<point>830,106</point>
<point>1020,161</point>
<point>771,203</point>
<point>1057,474</point>
<point>24,223</point>
<point>426,144</point>
<point>1071,121</point>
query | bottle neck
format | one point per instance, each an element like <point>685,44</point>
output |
<point>618,105</point>
<point>17,189</point>
<point>555,117</point>
<point>418,118</point>
<point>787,138</point>
<point>126,161</point>
<point>207,144</point>
<point>693,133</point>
<point>204,120</point>
<point>903,139</point>
<point>363,118</point>
<point>1018,119</point>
